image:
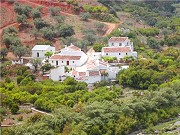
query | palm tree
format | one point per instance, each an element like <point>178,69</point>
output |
<point>48,54</point>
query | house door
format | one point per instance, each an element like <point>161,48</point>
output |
<point>67,62</point>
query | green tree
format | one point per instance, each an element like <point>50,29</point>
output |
<point>65,30</point>
<point>99,26</point>
<point>10,40</point>
<point>35,13</point>
<point>69,40</point>
<point>48,33</point>
<point>59,19</point>
<point>36,63</point>
<point>91,38</point>
<point>10,30</point>
<point>152,43</point>
<point>46,67</point>
<point>21,9</point>
<point>40,23</point>
<point>48,54</point>
<point>97,47</point>
<point>14,108</point>
<point>22,19</point>
<point>54,11</point>
<point>85,16</point>
<point>20,51</point>
<point>35,33</point>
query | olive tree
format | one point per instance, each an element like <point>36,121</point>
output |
<point>19,51</point>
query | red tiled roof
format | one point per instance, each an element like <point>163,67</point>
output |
<point>94,73</point>
<point>73,47</point>
<point>91,64</point>
<point>103,63</point>
<point>117,39</point>
<point>116,49</point>
<point>65,57</point>
<point>82,73</point>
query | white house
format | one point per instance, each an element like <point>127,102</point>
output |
<point>57,74</point>
<point>70,56</point>
<point>119,47</point>
<point>120,42</point>
<point>38,51</point>
<point>89,77</point>
<point>92,72</point>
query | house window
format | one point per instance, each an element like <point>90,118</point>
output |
<point>126,53</point>
<point>73,61</point>
<point>112,44</point>
<point>119,53</point>
<point>74,76</point>
<point>56,63</point>
<point>37,54</point>
<point>106,53</point>
<point>127,43</point>
<point>52,61</point>
<point>62,61</point>
<point>120,44</point>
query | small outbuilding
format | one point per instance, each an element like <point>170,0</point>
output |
<point>38,51</point>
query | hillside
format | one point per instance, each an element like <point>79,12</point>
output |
<point>26,36</point>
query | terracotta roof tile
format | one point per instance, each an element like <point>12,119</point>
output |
<point>103,63</point>
<point>94,73</point>
<point>65,57</point>
<point>117,39</point>
<point>116,49</point>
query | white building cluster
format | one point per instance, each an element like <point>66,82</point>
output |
<point>88,67</point>
<point>119,47</point>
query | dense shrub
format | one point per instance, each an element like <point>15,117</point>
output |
<point>149,31</point>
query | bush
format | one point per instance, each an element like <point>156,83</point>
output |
<point>59,19</point>
<point>95,9</point>
<point>149,31</point>
<point>105,17</point>
<point>115,33</point>
<point>48,33</point>
<point>7,80</point>
<point>2,111</point>
<point>70,103</point>
<point>20,118</point>
<point>85,16</point>
<point>35,118</point>
<point>54,11</point>
<point>99,26</point>
<point>97,47</point>
<point>64,30</point>
<point>19,79</point>
<point>172,39</point>
<point>109,59</point>
<point>14,108</point>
